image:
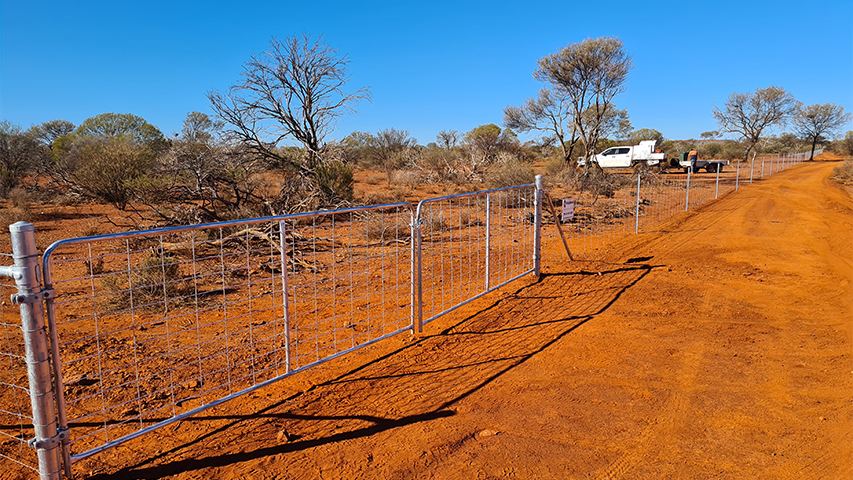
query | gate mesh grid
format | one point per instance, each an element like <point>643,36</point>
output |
<point>16,419</point>
<point>154,326</point>
<point>467,248</point>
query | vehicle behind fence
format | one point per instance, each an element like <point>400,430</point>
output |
<point>149,327</point>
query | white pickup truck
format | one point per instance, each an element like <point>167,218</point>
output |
<point>624,157</point>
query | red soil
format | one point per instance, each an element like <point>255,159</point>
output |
<point>717,345</point>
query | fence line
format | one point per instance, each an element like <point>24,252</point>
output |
<point>149,327</point>
<point>628,202</point>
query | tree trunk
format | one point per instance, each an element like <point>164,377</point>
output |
<point>814,143</point>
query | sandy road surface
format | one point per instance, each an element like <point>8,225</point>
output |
<point>718,346</point>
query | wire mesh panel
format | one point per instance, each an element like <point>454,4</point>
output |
<point>17,458</point>
<point>473,243</point>
<point>604,209</point>
<point>350,280</point>
<point>662,197</point>
<point>154,326</point>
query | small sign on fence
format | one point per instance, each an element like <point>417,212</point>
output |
<point>568,209</point>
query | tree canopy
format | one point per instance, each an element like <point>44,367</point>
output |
<point>122,125</point>
<point>750,114</point>
<point>814,122</point>
<point>590,73</point>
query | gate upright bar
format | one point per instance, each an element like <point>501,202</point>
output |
<point>27,275</point>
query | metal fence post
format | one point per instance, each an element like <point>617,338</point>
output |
<point>737,176</point>
<point>488,240</point>
<point>751,169</point>
<point>762,166</point>
<point>637,209</point>
<point>537,226</point>
<point>687,197</point>
<point>27,275</point>
<point>717,187</point>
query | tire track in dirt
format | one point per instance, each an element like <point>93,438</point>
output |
<point>761,215</point>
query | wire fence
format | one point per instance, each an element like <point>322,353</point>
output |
<point>473,243</point>
<point>16,419</point>
<point>621,203</point>
<point>149,327</point>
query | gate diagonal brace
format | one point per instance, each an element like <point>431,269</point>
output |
<point>22,298</point>
<point>49,443</point>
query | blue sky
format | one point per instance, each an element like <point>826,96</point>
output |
<point>429,65</point>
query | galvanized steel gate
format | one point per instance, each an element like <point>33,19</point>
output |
<point>126,333</point>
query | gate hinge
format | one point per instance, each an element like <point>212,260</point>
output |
<point>49,443</point>
<point>19,298</point>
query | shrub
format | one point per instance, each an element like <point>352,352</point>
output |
<point>407,178</point>
<point>335,180</point>
<point>106,169</point>
<point>554,165</point>
<point>509,173</point>
<point>18,211</point>
<point>843,173</point>
<point>157,277</point>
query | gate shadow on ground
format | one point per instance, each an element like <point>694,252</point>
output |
<point>419,382</point>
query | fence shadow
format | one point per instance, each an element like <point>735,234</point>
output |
<point>419,382</point>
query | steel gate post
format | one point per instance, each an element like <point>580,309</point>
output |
<point>417,267</point>
<point>537,228</point>
<point>762,166</point>
<point>27,275</point>
<point>687,197</point>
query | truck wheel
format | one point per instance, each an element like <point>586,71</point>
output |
<point>686,170</point>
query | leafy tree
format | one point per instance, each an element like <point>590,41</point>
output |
<point>784,142</point>
<point>642,134</point>
<point>20,152</point>
<point>122,125</point>
<point>845,145</point>
<point>815,122</point>
<point>107,167</point>
<point>484,143</point>
<point>293,91</point>
<point>710,135</point>
<point>590,73</point>
<point>614,122</point>
<point>750,114</point>
<point>390,148</point>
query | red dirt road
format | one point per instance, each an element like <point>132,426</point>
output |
<point>717,346</point>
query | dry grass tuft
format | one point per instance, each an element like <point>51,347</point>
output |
<point>843,173</point>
